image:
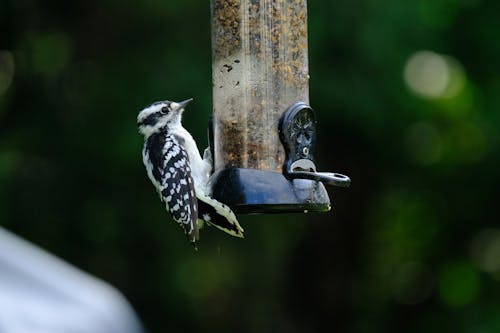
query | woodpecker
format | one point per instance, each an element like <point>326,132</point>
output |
<point>179,173</point>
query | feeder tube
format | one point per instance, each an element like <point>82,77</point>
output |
<point>259,69</point>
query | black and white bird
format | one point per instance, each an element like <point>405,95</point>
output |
<point>179,173</point>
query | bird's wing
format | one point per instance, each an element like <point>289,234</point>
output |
<point>177,187</point>
<point>219,215</point>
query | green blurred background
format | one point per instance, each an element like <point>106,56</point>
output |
<point>407,96</point>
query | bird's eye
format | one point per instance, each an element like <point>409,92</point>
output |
<point>164,110</point>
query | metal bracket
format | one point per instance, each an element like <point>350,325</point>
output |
<point>297,129</point>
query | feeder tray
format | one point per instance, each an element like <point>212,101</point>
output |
<point>299,188</point>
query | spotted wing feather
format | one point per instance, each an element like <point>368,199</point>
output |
<point>171,175</point>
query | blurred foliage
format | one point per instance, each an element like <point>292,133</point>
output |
<point>408,106</point>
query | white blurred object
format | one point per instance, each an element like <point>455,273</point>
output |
<point>40,293</point>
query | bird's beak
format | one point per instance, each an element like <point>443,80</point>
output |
<point>182,105</point>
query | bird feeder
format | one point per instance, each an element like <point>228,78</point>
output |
<point>262,134</point>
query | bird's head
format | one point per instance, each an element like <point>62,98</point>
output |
<point>160,115</point>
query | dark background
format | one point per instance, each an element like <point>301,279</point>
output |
<point>407,96</point>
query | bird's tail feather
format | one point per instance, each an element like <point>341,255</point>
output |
<point>219,215</point>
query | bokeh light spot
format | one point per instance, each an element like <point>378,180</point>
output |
<point>485,250</point>
<point>424,143</point>
<point>458,284</point>
<point>405,226</point>
<point>8,161</point>
<point>412,283</point>
<point>49,52</point>
<point>6,70</point>
<point>426,73</point>
<point>432,75</point>
<point>468,142</point>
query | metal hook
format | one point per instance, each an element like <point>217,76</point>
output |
<point>306,169</point>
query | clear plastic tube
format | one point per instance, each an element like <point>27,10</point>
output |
<point>259,69</point>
